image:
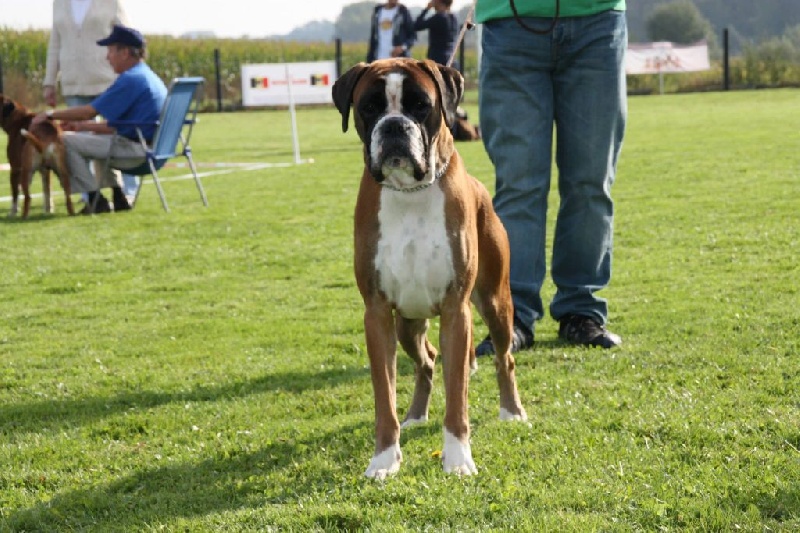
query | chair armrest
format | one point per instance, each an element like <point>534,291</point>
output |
<point>134,123</point>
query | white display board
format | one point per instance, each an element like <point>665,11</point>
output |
<point>661,57</point>
<point>281,84</point>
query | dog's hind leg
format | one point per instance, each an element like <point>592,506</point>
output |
<point>26,177</point>
<point>498,315</point>
<point>15,179</point>
<point>63,177</point>
<point>49,206</point>
<point>413,339</point>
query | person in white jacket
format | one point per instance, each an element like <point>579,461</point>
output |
<point>75,62</point>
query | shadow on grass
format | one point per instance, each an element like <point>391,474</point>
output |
<point>226,483</point>
<point>780,505</point>
<point>51,414</point>
<point>36,216</point>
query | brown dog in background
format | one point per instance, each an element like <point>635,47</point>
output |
<point>32,148</point>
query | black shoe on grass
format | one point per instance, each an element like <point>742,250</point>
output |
<point>584,330</point>
<point>102,206</point>
<point>521,339</point>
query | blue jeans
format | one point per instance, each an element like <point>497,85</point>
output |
<point>573,79</point>
<point>129,182</point>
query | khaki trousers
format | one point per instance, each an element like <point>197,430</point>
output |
<point>82,149</point>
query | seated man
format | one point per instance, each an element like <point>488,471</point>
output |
<point>137,95</point>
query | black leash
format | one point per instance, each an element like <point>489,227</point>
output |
<point>469,24</point>
<point>534,30</point>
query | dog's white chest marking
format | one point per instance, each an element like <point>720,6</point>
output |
<point>414,260</point>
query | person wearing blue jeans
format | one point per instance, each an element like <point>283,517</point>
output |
<point>555,67</point>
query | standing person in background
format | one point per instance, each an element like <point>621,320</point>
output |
<point>75,60</point>
<point>555,63</point>
<point>391,32</point>
<point>442,29</point>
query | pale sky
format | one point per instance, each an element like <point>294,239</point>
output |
<point>226,18</point>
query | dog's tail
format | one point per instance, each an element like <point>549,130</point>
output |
<point>33,139</point>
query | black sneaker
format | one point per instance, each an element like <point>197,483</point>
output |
<point>102,207</point>
<point>122,206</point>
<point>521,339</point>
<point>579,329</point>
<point>120,201</point>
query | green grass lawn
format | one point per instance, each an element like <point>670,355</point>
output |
<point>205,370</point>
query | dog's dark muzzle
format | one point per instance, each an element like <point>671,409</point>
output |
<point>397,148</point>
<point>396,129</point>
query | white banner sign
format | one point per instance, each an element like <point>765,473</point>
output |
<point>660,57</point>
<point>274,84</point>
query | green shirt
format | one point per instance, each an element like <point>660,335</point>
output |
<point>500,9</point>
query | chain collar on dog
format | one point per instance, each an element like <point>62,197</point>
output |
<point>418,187</point>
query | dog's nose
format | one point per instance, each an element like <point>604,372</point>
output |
<point>396,127</point>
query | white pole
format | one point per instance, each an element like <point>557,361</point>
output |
<point>295,140</point>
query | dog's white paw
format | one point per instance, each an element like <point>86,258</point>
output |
<point>508,415</point>
<point>386,463</point>
<point>457,456</point>
<point>413,421</point>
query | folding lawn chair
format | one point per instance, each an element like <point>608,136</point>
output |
<point>175,125</point>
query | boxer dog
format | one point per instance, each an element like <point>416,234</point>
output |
<point>32,148</point>
<point>44,151</point>
<point>427,243</point>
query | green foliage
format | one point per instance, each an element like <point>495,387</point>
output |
<point>205,370</point>
<point>354,22</point>
<point>24,54</point>
<point>747,21</point>
<point>772,61</point>
<point>679,22</point>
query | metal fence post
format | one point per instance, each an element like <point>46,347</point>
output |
<point>219,79</point>
<point>338,53</point>
<point>726,70</point>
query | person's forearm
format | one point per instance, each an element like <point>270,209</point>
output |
<point>84,112</point>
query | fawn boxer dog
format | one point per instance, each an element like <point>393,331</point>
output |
<point>427,243</point>
<point>32,148</point>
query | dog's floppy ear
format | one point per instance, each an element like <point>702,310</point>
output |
<point>8,108</point>
<point>450,85</point>
<point>343,91</point>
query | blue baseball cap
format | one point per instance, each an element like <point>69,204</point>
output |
<point>123,35</point>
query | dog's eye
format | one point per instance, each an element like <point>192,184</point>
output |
<point>417,105</point>
<point>372,106</point>
<point>421,105</point>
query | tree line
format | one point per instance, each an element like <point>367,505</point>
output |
<point>749,22</point>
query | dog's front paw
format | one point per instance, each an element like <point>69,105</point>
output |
<point>520,416</point>
<point>408,422</point>
<point>385,463</point>
<point>457,456</point>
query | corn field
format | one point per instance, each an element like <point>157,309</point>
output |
<point>23,55</point>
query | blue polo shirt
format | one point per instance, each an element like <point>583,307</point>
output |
<point>137,95</point>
